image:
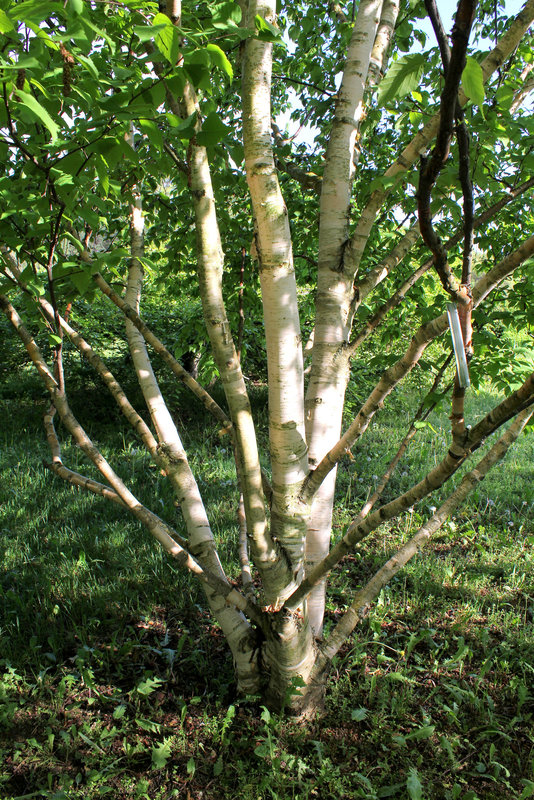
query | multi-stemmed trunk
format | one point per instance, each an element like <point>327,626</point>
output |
<point>276,632</point>
<point>290,654</point>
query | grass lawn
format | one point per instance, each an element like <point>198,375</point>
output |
<point>115,682</point>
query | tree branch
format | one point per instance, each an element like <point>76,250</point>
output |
<point>440,33</point>
<point>280,305</point>
<point>419,144</point>
<point>420,415</point>
<point>426,333</point>
<point>308,180</point>
<point>360,605</point>
<point>381,271</point>
<point>384,33</point>
<point>172,542</point>
<point>456,456</point>
<point>184,376</point>
<point>431,168</point>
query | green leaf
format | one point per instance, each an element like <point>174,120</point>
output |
<point>401,78</point>
<point>473,82</point>
<point>148,725</point>
<point>167,38</point>
<point>392,790</point>
<point>186,128</point>
<point>226,15</point>
<point>36,108</point>
<point>147,32</point>
<point>89,65</point>
<point>91,217</point>
<point>176,83</point>
<point>191,767</point>
<point>42,35</point>
<point>5,23</point>
<point>199,68</point>
<point>528,791</point>
<point>358,714</point>
<point>153,133</point>
<point>400,677</point>
<point>161,754</point>
<point>266,31</point>
<point>32,10</point>
<point>424,732</point>
<point>76,7</point>
<point>148,685</point>
<point>26,62</point>
<point>74,241</point>
<point>42,89</point>
<point>505,96</point>
<point>99,32</point>
<point>213,130</point>
<point>161,21</point>
<point>36,289</point>
<point>119,711</point>
<point>413,784</point>
<point>386,182</point>
<point>219,59</point>
<point>81,281</point>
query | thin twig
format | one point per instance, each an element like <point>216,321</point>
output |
<point>422,413</point>
<point>58,349</point>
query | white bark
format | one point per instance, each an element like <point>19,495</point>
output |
<point>269,561</point>
<point>290,655</point>
<point>339,160</point>
<point>330,367</point>
<point>210,267</point>
<point>234,625</point>
<point>392,376</point>
<point>337,323</point>
<point>170,444</point>
<point>388,20</point>
<point>279,296</point>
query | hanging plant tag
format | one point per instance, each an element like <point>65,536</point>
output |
<point>458,346</point>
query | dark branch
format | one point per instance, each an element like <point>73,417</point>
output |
<point>431,168</point>
<point>440,32</point>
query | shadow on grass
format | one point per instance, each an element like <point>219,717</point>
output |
<point>80,574</point>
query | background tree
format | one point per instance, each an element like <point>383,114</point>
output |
<point>116,112</point>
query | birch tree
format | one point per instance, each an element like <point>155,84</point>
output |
<point>126,126</point>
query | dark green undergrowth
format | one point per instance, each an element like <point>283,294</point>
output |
<point>115,682</point>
